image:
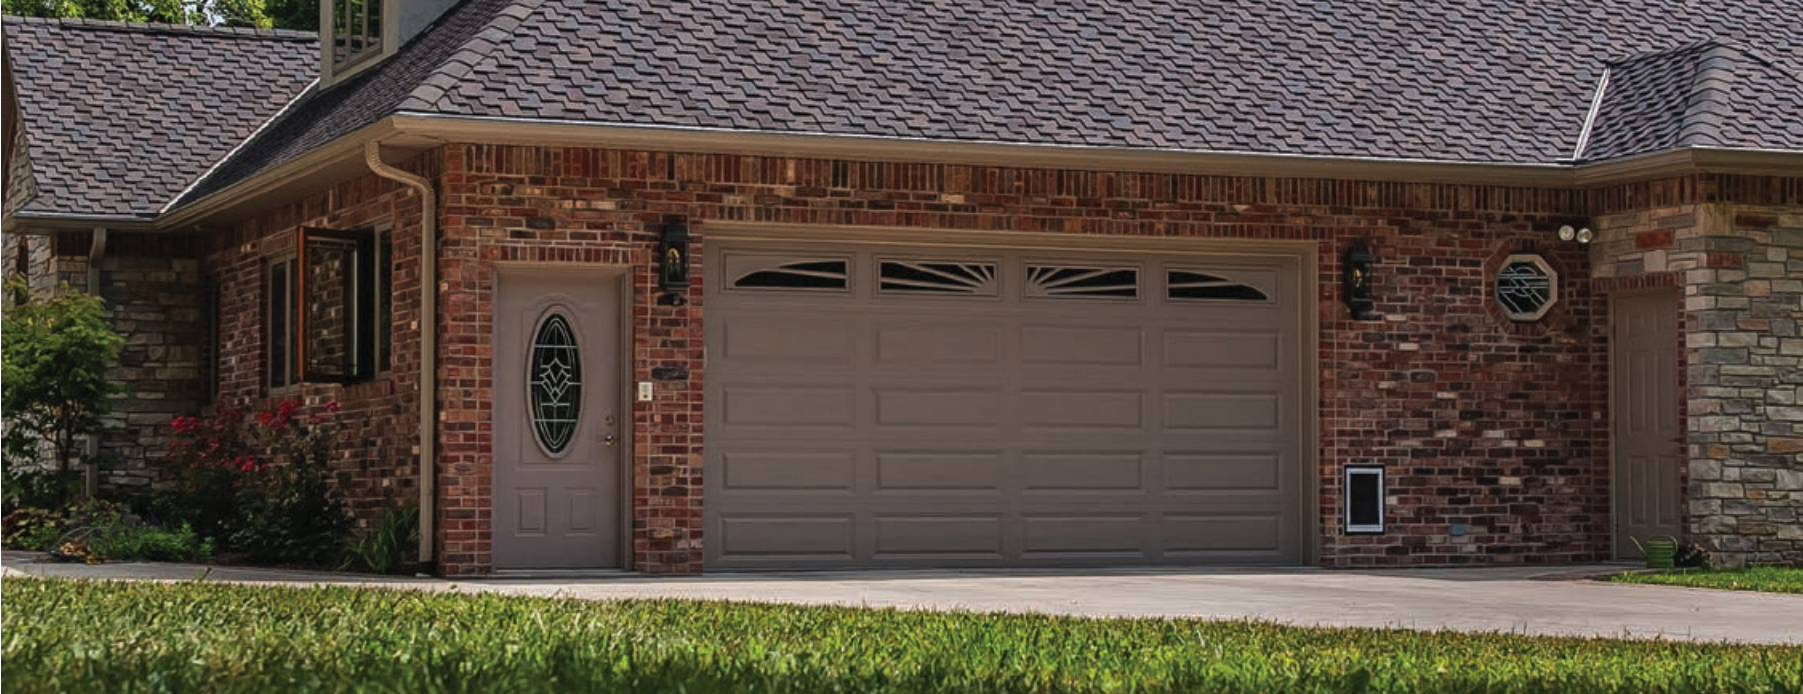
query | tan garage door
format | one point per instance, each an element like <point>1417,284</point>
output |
<point>915,406</point>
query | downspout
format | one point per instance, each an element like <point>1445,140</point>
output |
<point>428,335</point>
<point>91,447</point>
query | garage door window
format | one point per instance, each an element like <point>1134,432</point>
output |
<point>938,277</point>
<point>1191,284</point>
<point>1074,281</point>
<point>793,275</point>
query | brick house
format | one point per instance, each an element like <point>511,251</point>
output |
<point>739,285</point>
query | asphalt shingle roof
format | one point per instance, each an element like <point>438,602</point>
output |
<point>122,117</point>
<point>1504,81</point>
<point>1710,94</point>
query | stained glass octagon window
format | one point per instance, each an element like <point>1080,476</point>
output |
<point>1526,287</point>
<point>554,375</point>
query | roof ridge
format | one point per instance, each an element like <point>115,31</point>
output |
<point>477,49</point>
<point>162,28</point>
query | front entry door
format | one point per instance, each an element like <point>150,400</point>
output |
<point>558,431</point>
<point>1644,402</point>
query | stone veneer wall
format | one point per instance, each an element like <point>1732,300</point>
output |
<point>1740,266</point>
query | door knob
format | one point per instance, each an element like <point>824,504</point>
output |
<point>608,439</point>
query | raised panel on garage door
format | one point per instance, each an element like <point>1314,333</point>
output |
<point>933,407</point>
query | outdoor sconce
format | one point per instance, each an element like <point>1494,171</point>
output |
<point>1576,230</point>
<point>673,264</point>
<point>1355,287</point>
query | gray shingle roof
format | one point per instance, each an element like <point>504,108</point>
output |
<point>1450,80</point>
<point>1710,94</point>
<point>122,117</point>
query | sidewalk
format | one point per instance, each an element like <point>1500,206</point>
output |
<point>1525,600</point>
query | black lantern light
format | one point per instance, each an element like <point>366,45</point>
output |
<point>1356,282</point>
<point>673,264</point>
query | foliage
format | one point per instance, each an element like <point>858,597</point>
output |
<point>54,355</point>
<point>1691,556</point>
<point>387,547</point>
<point>28,486</point>
<point>140,542</point>
<point>261,488</point>
<point>69,636</point>
<point>285,14</point>
<point>1765,579</point>
<point>33,529</point>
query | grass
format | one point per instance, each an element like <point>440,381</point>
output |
<point>81,636</point>
<point>1765,579</point>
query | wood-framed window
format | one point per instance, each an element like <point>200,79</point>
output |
<point>329,310</point>
<point>356,32</point>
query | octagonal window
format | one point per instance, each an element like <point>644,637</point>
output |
<point>1526,287</point>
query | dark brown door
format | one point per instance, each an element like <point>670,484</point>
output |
<point>1644,402</point>
<point>557,428</point>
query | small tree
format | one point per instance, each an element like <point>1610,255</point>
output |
<point>54,354</point>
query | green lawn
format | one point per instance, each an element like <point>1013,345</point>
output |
<point>1765,579</point>
<point>66,636</point>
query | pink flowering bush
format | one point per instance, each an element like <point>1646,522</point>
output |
<point>260,487</point>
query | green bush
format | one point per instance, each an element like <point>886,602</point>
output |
<point>133,542</point>
<point>28,486</point>
<point>54,356</point>
<point>32,529</point>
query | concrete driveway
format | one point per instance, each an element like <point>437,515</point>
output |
<point>1520,600</point>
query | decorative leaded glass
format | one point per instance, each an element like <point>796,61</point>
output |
<point>1085,282</point>
<point>1526,287</point>
<point>1185,284</point>
<point>555,374</point>
<point>931,277</point>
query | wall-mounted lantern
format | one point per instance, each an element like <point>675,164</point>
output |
<point>673,264</point>
<point>1355,287</point>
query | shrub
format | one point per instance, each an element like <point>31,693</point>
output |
<point>33,529</point>
<point>54,355</point>
<point>261,488</point>
<point>138,542</point>
<point>31,487</point>
<point>387,547</point>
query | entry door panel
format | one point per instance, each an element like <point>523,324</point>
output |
<point>1644,402</point>
<point>557,429</point>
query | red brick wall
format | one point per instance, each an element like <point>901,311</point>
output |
<point>1480,422</point>
<point>379,420</point>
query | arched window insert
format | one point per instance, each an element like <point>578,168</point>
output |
<point>554,372</point>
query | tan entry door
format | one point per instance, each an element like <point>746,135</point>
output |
<point>557,425</point>
<point>902,406</point>
<point>1644,402</point>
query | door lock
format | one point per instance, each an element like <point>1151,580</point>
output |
<point>608,439</point>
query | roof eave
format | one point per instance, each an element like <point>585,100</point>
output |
<point>481,129</point>
<point>279,180</point>
<point>39,220</point>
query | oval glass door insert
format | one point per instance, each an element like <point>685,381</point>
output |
<point>554,371</point>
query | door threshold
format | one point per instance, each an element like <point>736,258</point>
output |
<point>557,574</point>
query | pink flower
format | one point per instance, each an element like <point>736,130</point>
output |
<point>332,406</point>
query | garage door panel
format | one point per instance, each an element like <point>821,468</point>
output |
<point>1191,471</point>
<point>812,537</point>
<point>789,342</point>
<point>1121,535</point>
<point>940,407</point>
<point>1211,411</point>
<point>1077,409</point>
<point>1218,533</point>
<point>1077,346</point>
<point>1209,349</point>
<point>936,472</point>
<point>993,418</point>
<point>1088,473</point>
<point>779,404</point>
<point>773,471</point>
<point>927,536</point>
<point>900,343</point>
